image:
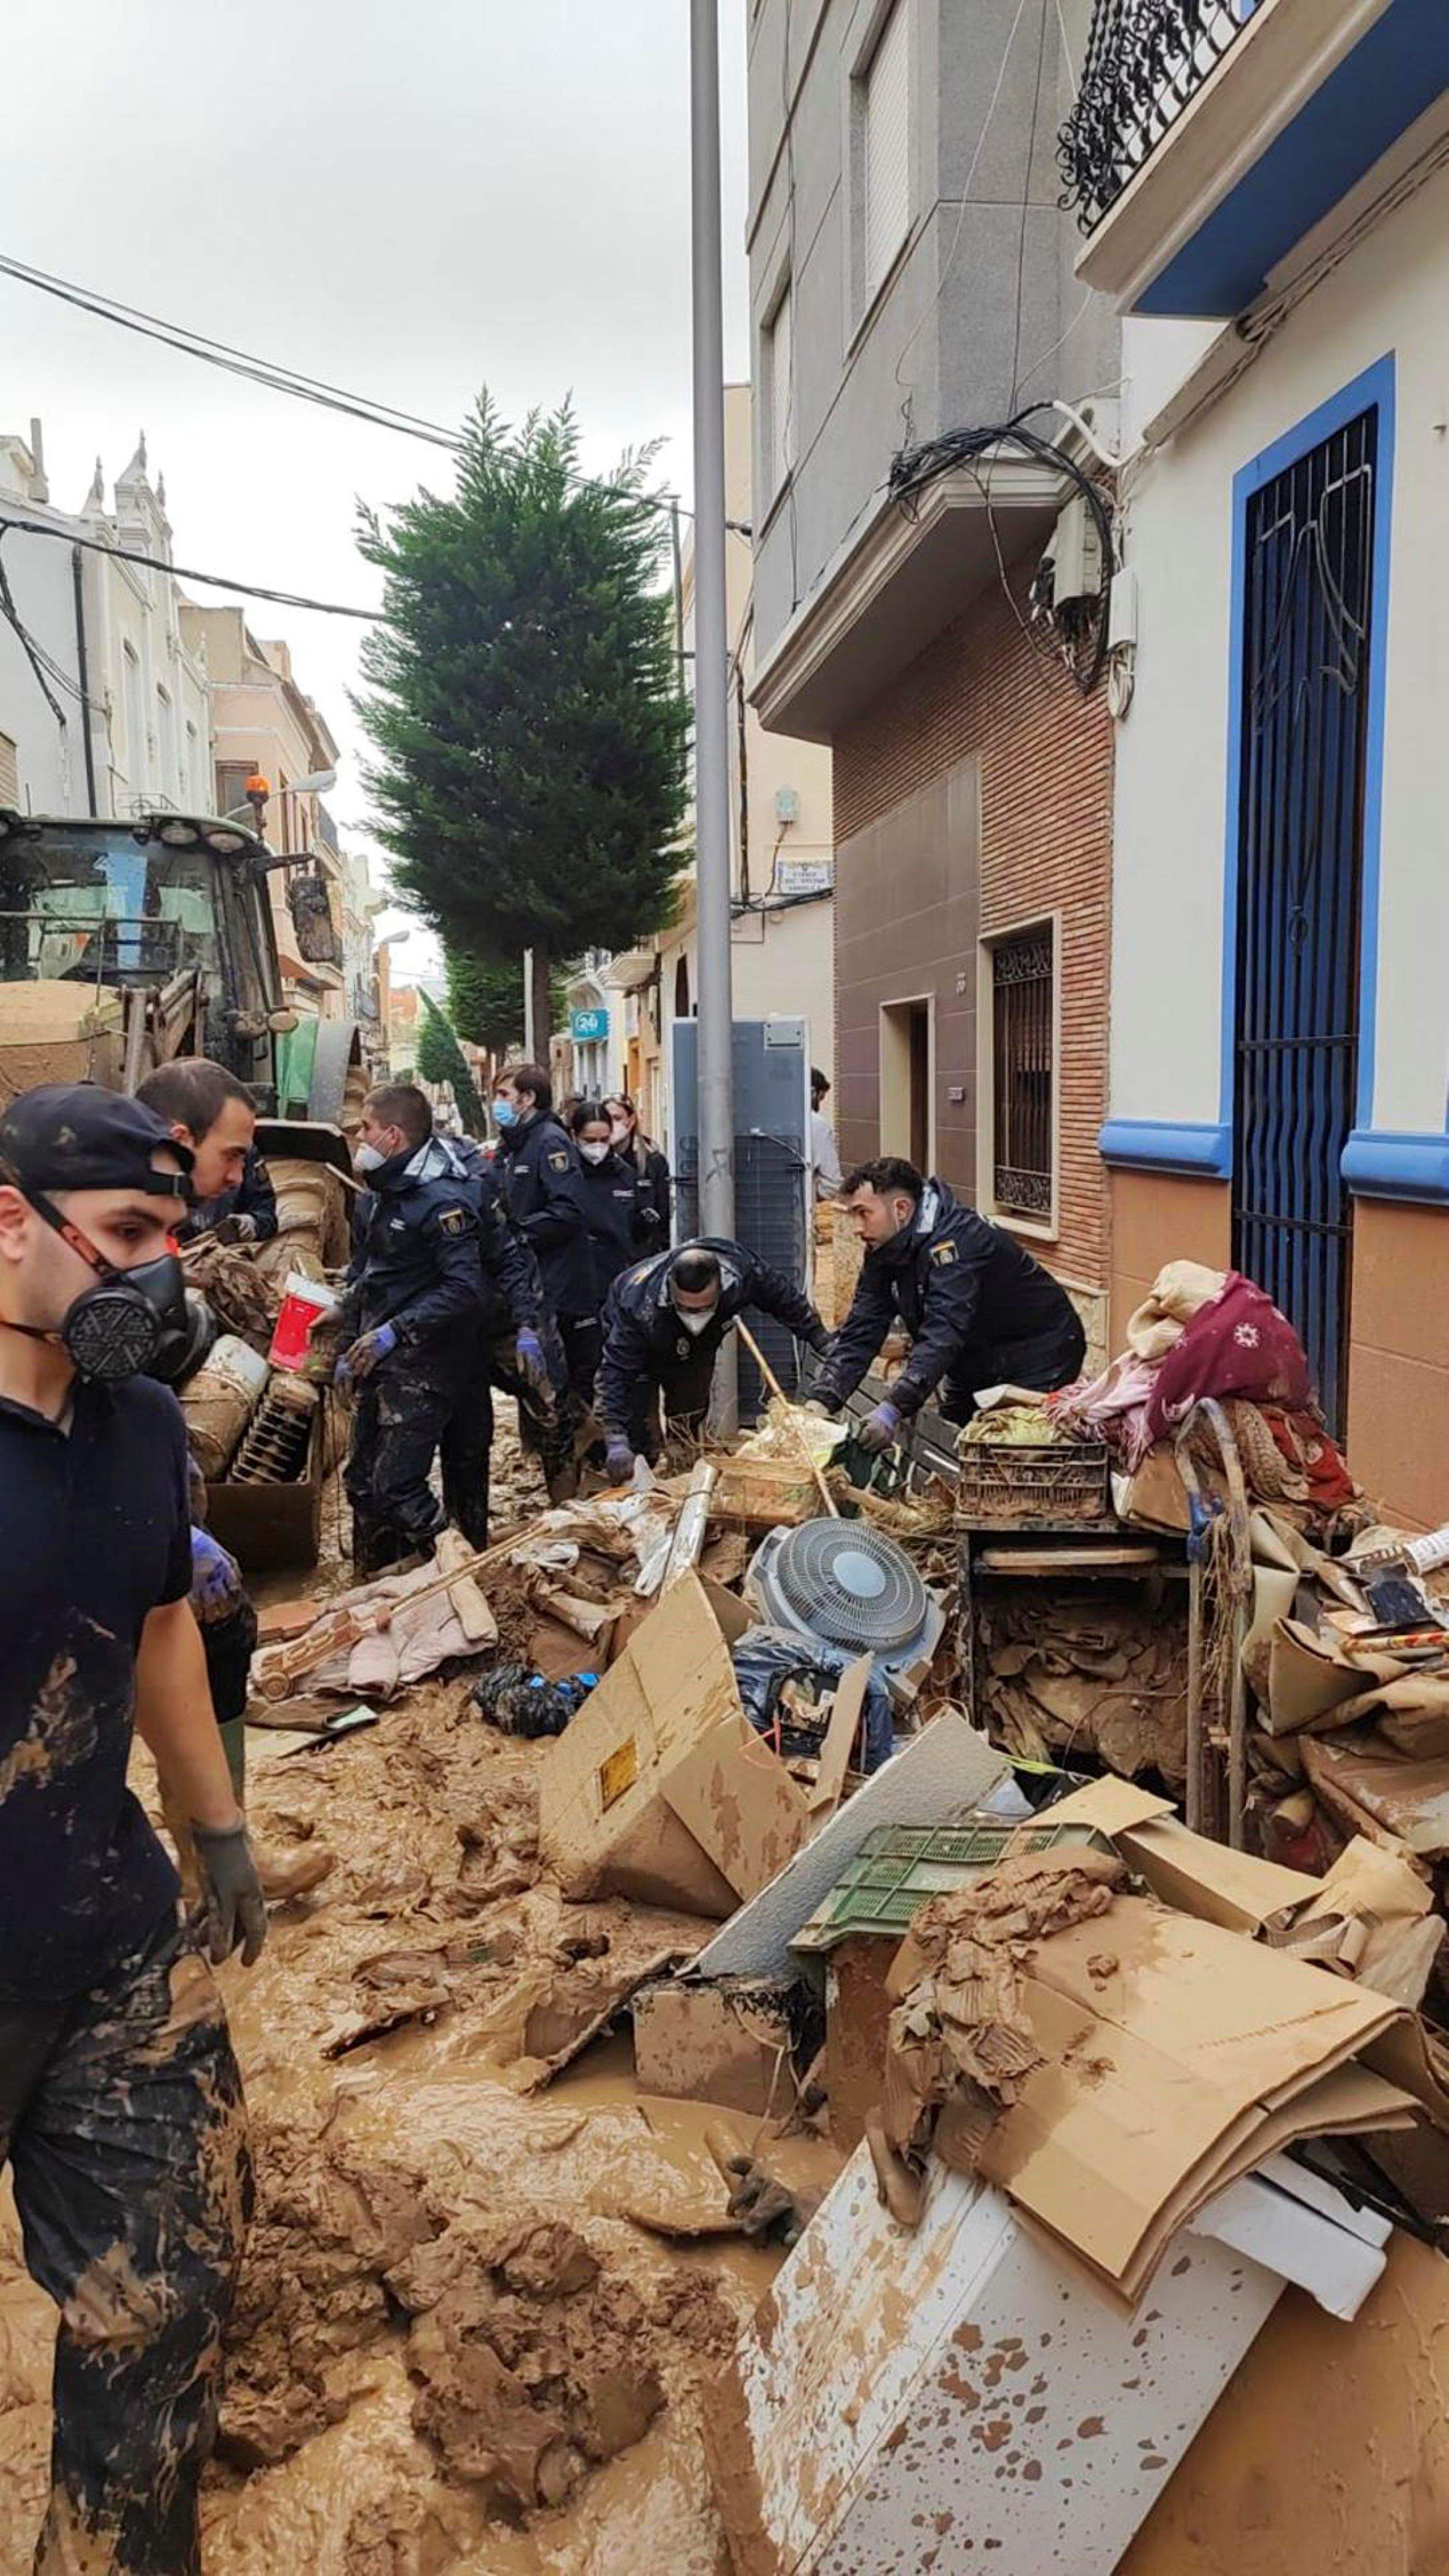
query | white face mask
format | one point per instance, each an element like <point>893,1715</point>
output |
<point>369,1158</point>
<point>618,1131</point>
<point>695,1323</point>
<point>593,1153</point>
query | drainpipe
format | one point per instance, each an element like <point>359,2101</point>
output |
<point>82,672</point>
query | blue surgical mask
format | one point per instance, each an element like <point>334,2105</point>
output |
<point>505,1115</point>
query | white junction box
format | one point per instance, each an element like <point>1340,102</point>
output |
<point>952,2397</point>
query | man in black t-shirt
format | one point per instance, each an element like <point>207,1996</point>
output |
<point>120,2102</point>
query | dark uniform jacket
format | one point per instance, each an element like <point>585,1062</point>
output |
<point>621,1225</point>
<point>415,1261</point>
<point>645,1342</point>
<point>978,1309</point>
<point>512,1287</point>
<point>655,1188</point>
<point>253,1196</point>
<point>538,1170</point>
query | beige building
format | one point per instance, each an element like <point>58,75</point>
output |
<point>262,721</point>
<point>781,855</point>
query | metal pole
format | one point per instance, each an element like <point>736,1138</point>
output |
<point>711,659</point>
<point>83,675</point>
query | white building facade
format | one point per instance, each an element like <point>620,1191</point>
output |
<point>1279,1033</point>
<point>103,707</point>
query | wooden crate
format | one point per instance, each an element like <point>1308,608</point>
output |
<point>765,1493</point>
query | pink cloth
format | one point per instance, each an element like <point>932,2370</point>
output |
<point>1238,1344</point>
<point>1111,1407</point>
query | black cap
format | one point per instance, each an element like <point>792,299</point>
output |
<point>72,1136</point>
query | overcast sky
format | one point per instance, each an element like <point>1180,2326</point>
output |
<point>408,201</point>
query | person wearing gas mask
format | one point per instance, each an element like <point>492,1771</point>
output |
<point>207,1109</point>
<point>121,2112</point>
<point>979,1310</point>
<point>663,1324</point>
<point>407,1328</point>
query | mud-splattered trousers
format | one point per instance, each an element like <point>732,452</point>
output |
<point>121,2115</point>
<point>402,1414</point>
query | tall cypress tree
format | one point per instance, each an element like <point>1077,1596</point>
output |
<point>441,1059</point>
<point>524,700</point>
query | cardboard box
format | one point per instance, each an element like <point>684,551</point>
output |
<point>857,2010</point>
<point>661,1790</point>
<point>731,2043</point>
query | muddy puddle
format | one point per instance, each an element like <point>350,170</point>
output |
<point>477,2322</point>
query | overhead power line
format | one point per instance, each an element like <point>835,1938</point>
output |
<point>186,572</point>
<point>276,378</point>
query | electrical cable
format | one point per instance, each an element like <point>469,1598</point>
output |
<point>913,470</point>
<point>273,376</point>
<point>187,572</point>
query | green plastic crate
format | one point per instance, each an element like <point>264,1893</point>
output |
<point>899,1866</point>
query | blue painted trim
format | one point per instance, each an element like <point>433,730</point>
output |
<point>1396,70</point>
<point>1374,389</point>
<point>1156,1145</point>
<point>1379,1164</point>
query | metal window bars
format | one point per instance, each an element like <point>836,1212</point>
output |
<point>1023,1051</point>
<point>1145,61</point>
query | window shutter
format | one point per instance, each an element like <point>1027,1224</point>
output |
<point>887,146</point>
<point>782,392</point>
<point>9,774</point>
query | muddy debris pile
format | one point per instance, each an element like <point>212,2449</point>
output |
<point>531,2356</point>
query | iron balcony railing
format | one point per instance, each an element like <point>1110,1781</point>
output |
<point>1145,61</point>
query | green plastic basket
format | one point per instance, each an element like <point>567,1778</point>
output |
<point>899,1866</point>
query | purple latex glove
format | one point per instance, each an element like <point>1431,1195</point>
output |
<point>365,1354</point>
<point>879,1429</point>
<point>532,1363</point>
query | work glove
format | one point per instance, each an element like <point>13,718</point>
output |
<point>878,1430</point>
<point>236,1910</point>
<point>764,2205</point>
<point>235,1229</point>
<point>618,1461</point>
<point>531,1361</point>
<point>215,1576</point>
<point>364,1355</point>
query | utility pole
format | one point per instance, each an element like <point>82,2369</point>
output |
<point>711,663</point>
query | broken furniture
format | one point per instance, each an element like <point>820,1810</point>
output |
<point>902,2392</point>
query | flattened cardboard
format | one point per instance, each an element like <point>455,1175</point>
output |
<point>1199,1877</point>
<point>839,1738</point>
<point>608,1821</point>
<point>728,2044</point>
<point>1160,2071</point>
<point>1408,1798</point>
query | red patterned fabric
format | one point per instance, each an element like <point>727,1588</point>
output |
<point>1238,1344</point>
<point>1307,1446</point>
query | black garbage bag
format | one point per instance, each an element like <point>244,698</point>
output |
<point>767,1657</point>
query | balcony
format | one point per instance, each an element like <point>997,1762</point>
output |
<point>1210,136</point>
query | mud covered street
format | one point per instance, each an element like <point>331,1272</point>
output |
<point>463,2338</point>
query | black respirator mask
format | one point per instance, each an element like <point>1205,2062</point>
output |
<point>132,1320</point>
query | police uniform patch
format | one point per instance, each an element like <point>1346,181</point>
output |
<point>558,1162</point>
<point>945,1253</point>
<point>453,1221</point>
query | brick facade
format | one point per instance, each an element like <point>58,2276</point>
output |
<point>973,794</point>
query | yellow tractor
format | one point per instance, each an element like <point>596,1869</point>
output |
<point>124,944</point>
